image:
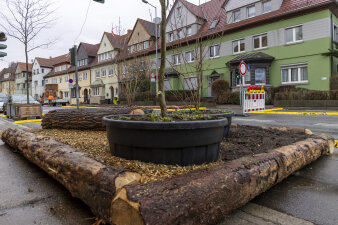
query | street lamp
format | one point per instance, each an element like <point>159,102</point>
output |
<point>156,36</point>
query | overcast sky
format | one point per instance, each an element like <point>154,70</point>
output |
<point>71,15</point>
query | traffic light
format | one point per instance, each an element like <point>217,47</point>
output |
<point>2,46</point>
<point>99,1</point>
<point>238,76</point>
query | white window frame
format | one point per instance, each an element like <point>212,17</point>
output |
<point>247,11</point>
<point>54,81</point>
<point>146,45</point>
<point>97,74</point>
<point>260,36</point>
<point>110,71</point>
<point>298,67</point>
<point>190,85</point>
<point>234,18</point>
<point>104,72</point>
<point>191,55</point>
<point>171,37</point>
<point>138,47</point>
<point>179,11</point>
<point>335,33</point>
<point>96,91</point>
<point>80,76</point>
<point>189,31</point>
<point>263,6</point>
<point>239,46</point>
<point>60,80</point>
<point>293,28</point>
<point>66,94</point>
<point>176,58</point>
<point>85,76</point>
<point>215,55</point>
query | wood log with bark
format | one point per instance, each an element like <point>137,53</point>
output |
<point>89,180</point>
<point>83,119</point>
<point>207,196</point>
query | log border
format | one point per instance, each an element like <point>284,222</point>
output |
<point>203,196</point>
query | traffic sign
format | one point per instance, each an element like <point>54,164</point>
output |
<point>70,81</point>
<point>152,77</point>
<point>243,68</point>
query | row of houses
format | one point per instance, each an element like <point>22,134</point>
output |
<point>285,42</point>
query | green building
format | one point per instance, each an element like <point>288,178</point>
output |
<point>285,42</point>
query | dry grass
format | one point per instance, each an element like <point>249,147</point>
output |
<point>95,145</point>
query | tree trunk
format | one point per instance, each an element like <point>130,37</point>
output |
<point>207,196</point>
<point>91,181</point>
<point>161,94</point>
<point>27,73</point>
<point>83,119</point>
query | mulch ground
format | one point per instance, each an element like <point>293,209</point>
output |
<point>241,141</point>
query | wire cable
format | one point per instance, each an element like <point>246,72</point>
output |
<point>84,22</point>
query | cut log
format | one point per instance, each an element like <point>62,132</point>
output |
<point>83,119</point>
<point>207,196</point>
<point>89,180</point>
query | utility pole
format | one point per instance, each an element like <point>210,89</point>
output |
<point>76,78</point>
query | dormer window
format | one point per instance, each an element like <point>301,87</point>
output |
<point>189,31</point>
<point>146,44</point>
<point>132,48</point>
<point>179,11</point>
<point>138,47</point>
<point>267,6</point>
<point>213,24</point>
<point>251,11</point>
<point>237,15</point>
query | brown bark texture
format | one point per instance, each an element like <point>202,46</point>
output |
<point>206,196</point>
<point>83,119</point>
<point>89,180</point>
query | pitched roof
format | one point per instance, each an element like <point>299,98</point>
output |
<point>149,26</point>
<point>43,62</point>
<point>11,69</point>
<point>22,66</point>
<point>255,56</point>
<point>194,9</point>
<point>117,41</point>
<point>90,49</point>
<point>60,59</point>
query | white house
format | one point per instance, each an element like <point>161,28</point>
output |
<point>41,67</point>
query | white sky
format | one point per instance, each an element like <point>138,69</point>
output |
<point>71,15</point>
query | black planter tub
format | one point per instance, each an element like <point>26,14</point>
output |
<point>172,143</point>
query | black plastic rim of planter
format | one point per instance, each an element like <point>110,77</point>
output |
<point>172,143</point>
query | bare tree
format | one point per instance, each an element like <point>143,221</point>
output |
<point>24,21</point>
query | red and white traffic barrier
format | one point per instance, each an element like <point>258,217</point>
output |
<point>254,100</point>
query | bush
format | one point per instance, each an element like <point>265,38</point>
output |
<point>333,95</point>
<point>143,85</point>
<point>334,82</point>
<point>220,86</point>
<point>234,98</point>
<point>316,95</point>
<point>178,95</point>
<point>223,98</point>
<point>144,96</point>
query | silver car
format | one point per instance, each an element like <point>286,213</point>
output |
<point>3,99</point>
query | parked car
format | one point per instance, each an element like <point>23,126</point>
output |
<point>3,99</point>
<point>18,99</point>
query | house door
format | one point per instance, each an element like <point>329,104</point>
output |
<point>112,92</point>
<point>211,80</point>
<point>85,95</point>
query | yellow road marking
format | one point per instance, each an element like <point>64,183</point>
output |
<point>3,116</point>
<point>299,113</point>
<point>181,109</point>
<point>29,121</point>
<point>273,109</point>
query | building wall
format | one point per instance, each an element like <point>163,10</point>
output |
<point>316,40</point>
<point>84,84</point>
<point>139,35</point>
<point>37,91</point>
<point>105,45</point>
<point>8,87</point>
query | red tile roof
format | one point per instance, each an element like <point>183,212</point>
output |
<point>11,69</point>
<point>23,67</point>
<point>91,50</point>
<point>43,62</point>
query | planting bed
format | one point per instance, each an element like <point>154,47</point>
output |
<point>253,159</point>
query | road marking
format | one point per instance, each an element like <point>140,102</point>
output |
<point>183,109</point>
<point>3,116</point>
<point>326,124</point>
<point>254,120</point>
<point>299,113</point>
<point>28,121</point>
<point>273,109</point>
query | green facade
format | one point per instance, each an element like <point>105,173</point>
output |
<point>310,52</point>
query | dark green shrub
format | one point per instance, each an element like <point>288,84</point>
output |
<point>143,85</point>
<point>234,98</point>
<point>333,95</point>
<point>223,98</point>
<point>316,95</point>
<point>220,86</point>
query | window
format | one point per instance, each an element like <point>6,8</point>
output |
<point>294,74</point>
<point>43,83</point>
<point>189,31</point>
<point>96,91</point>
<point>35,83</point>
<point>54,81</point>
<point>142,66</point>
<point>138,47</point>
<point>179,11</point>
<point>66,79</point>
<point>260,76</point>
<point>17,86</point>
<point>132,48</point>
<point>167,85</point>
<point>125,69</point>
<point>214,51</point>
<point>97,73</point>
<point>42,70</point>
<point>104,72</point>
<point>111,71</point>
<point>179,33</point>
<point>63,67</point>
<point>251,11</point>
<point>190,56</point>
<point>335,34</point>
<point>171,37</point>
<point>80,76</point>
<point>66,94</point>
<point>237,15</point>
<point>238,46</point>
<point>176,59</point>
<point>294,34</point>
<point>84,75</point>
<point>145,44</point>
<point>190,83</point>
<point>266,6</point>
<point>213,24</point>
<point>260,41</point>
<point>60,80</point>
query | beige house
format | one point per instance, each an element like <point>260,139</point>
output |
<point>7,79</point>
<point>104,72</point>
<point>21,74</point>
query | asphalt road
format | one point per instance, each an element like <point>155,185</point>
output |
<point>310,196</point>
